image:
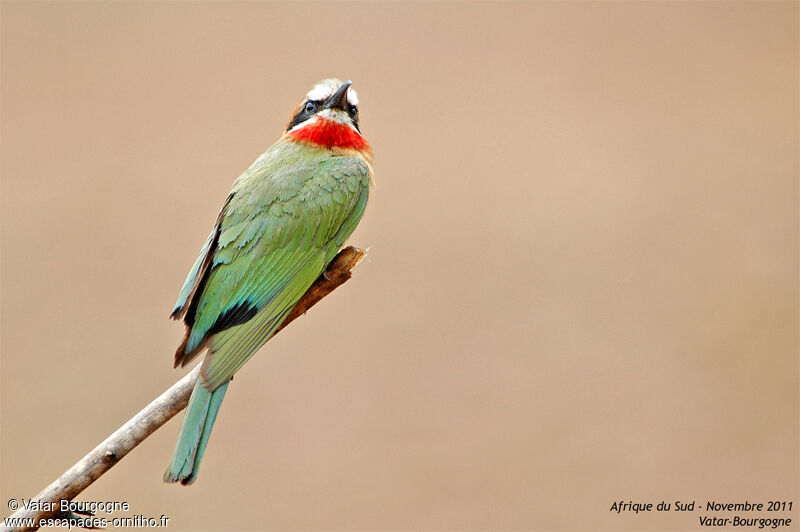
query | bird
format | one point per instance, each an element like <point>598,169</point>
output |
<point>284,220</point>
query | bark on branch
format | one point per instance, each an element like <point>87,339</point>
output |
<point>162,409</point>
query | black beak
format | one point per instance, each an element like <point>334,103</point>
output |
<point>339,98</point>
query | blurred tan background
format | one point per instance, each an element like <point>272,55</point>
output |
<point>583,274</point>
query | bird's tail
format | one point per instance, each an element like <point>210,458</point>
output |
<point>193,437</point>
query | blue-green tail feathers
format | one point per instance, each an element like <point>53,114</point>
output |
<point>195,430</point>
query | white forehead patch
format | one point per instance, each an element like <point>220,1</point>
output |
<point>325,89</point>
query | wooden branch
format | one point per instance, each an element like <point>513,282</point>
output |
<point>162,409</point>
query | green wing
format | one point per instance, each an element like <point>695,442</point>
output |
<point>278,230</point>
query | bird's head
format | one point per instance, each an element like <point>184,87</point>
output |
<point>328,117</point>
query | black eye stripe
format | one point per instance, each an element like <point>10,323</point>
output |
<point>306,111</point>
<point>352,111</point>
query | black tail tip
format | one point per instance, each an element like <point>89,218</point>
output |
<point>184,480</point>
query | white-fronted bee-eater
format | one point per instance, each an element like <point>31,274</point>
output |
<point>284,220</point>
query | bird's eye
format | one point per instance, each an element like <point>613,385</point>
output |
<point>352,109</point>
<point>310,106</point>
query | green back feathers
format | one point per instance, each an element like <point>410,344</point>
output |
<point>285,219</point>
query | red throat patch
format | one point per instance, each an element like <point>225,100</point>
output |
<point>331,135</point>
